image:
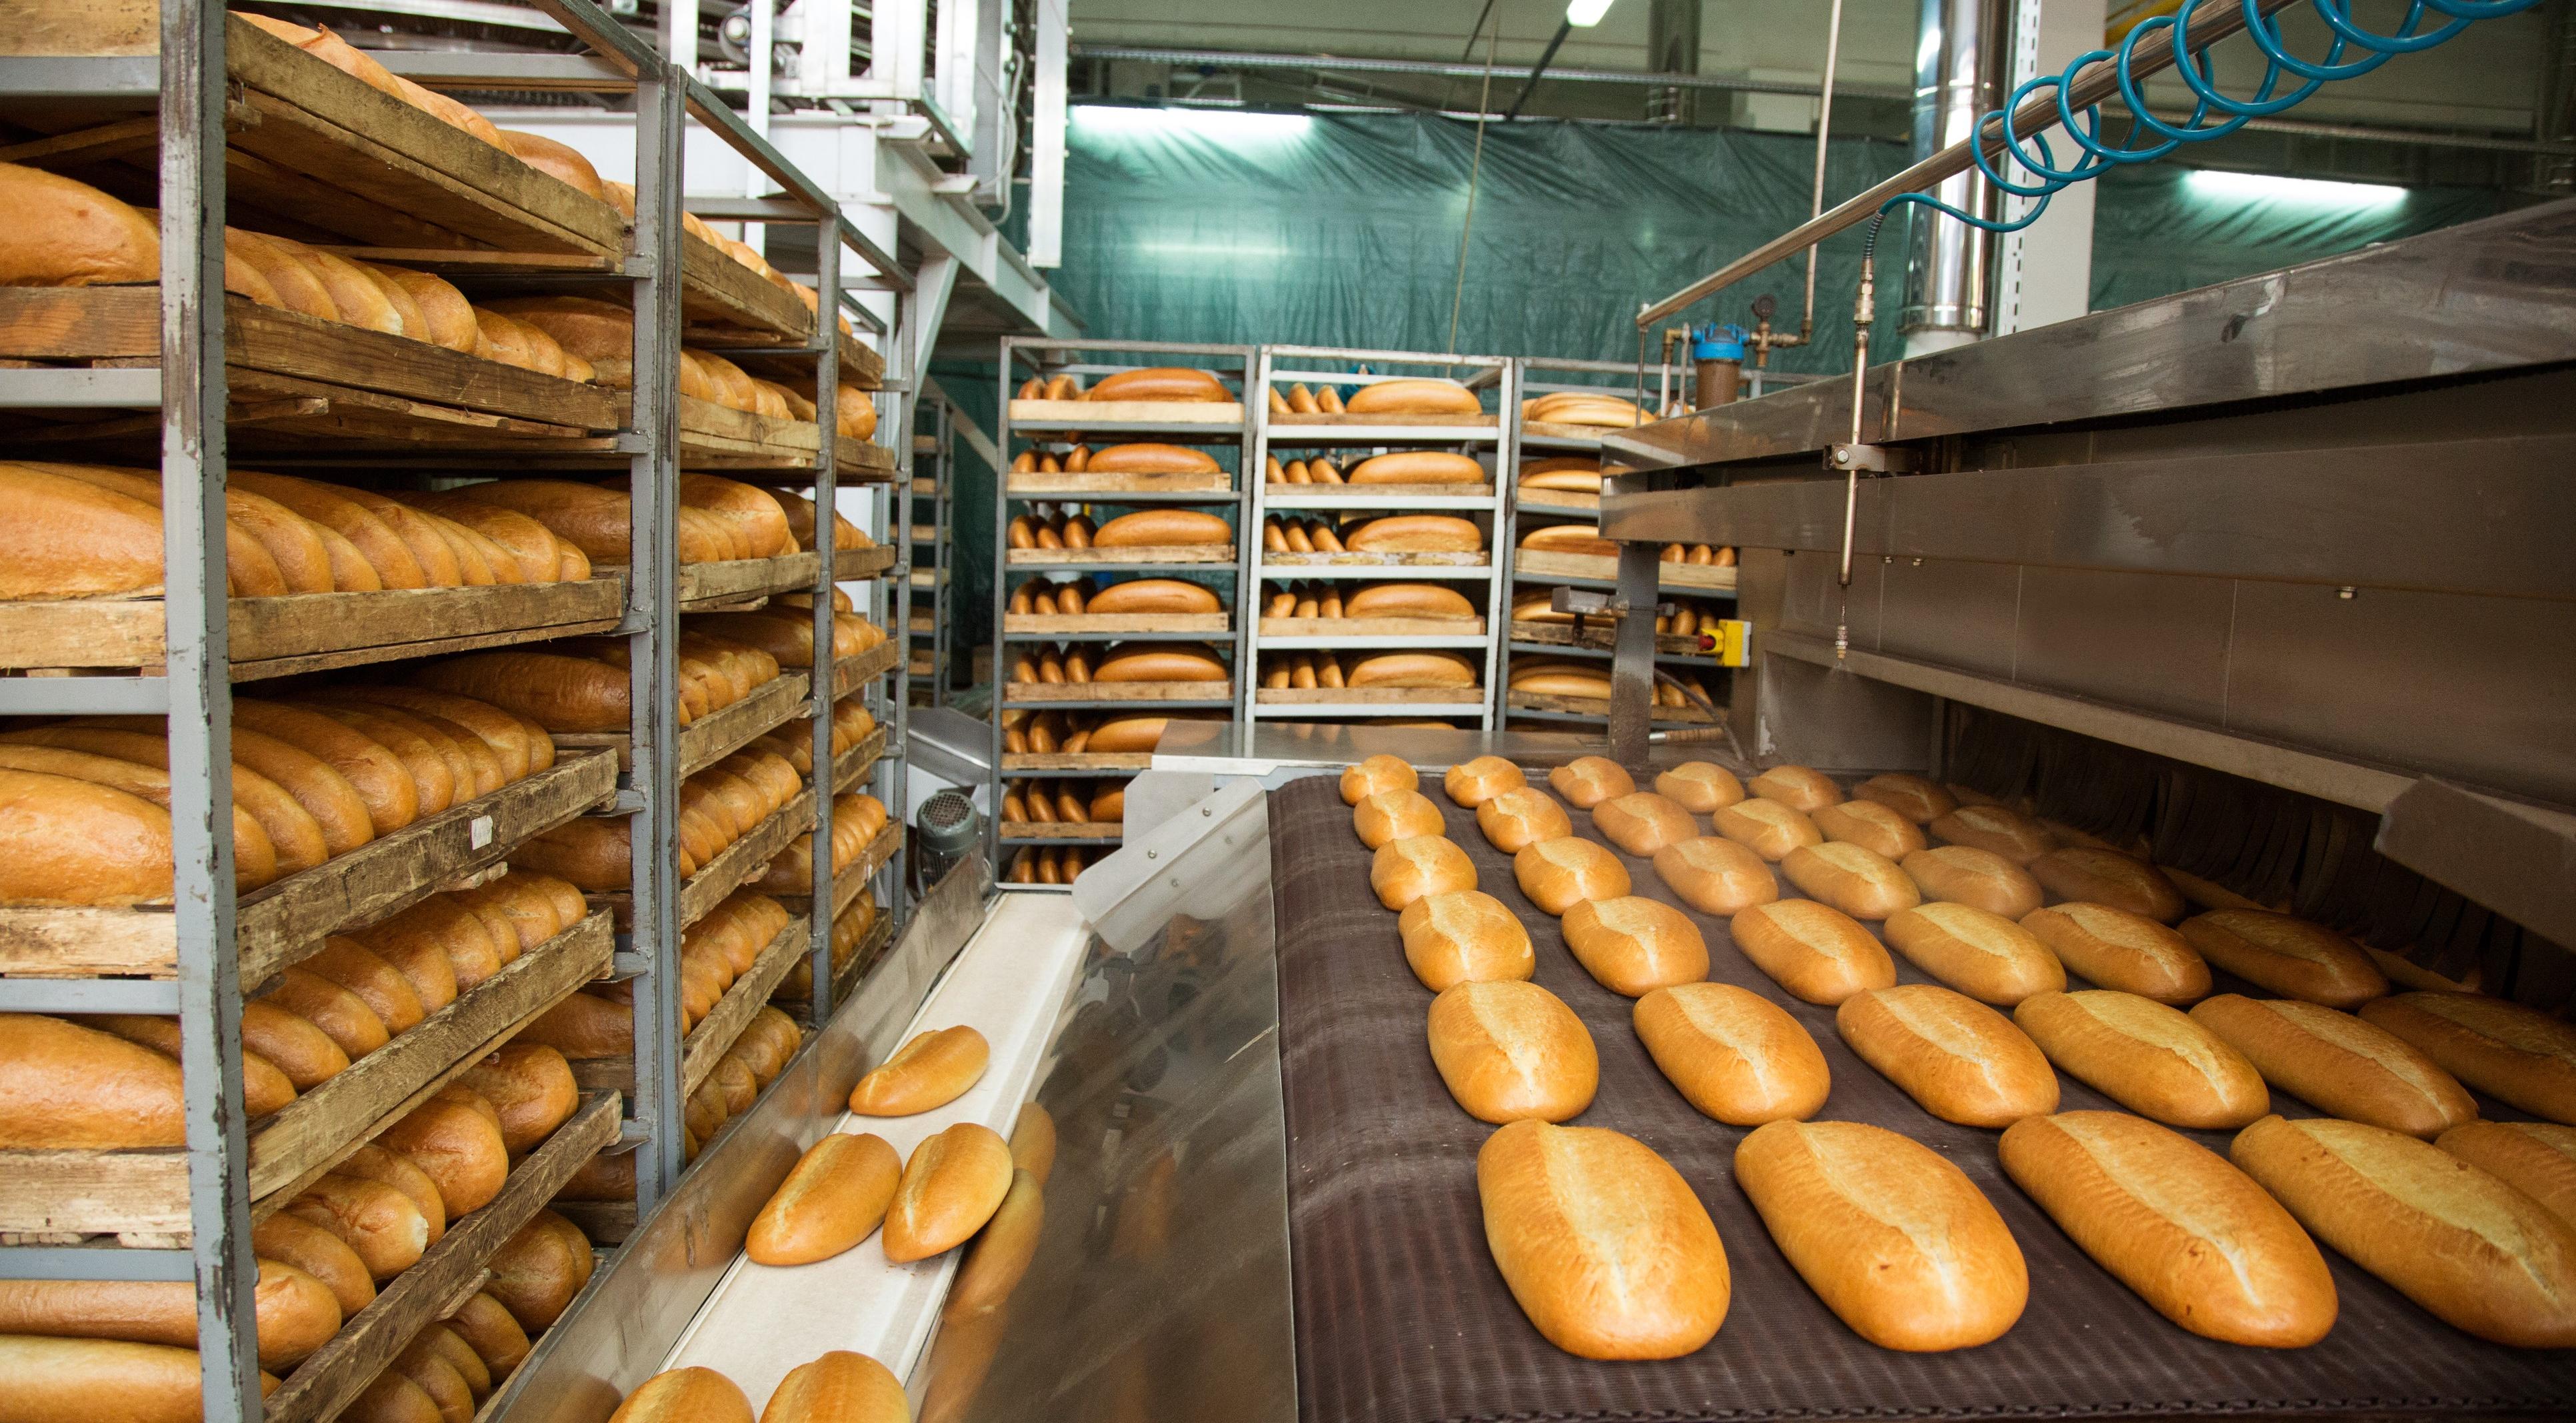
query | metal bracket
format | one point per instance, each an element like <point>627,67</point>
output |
<point>1874,459</point>
<point>1592,603</point>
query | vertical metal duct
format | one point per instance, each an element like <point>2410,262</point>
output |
<point>1962,48</point>
<point>1672,47</point>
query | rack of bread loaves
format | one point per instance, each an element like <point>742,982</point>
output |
<point>312,1072</point>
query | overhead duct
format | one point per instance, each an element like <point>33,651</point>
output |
<point>1962,48</point>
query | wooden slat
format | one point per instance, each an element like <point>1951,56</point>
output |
<point>1475,559</point>
<point>1284,494</point>
<point>738,579</point>
<point>716,1033</point>
<point>1599,706</point>
<point>1283,432</point>
<point>1367,696</point>
<point>84,942</point>
<point>1128,412</point>
<point>1019,763</point>
<point>95,27</point>
<point>1684,577</point>
<point>1551,430</point>
<point>851,767</point>
<point>1041,693</point>
<point>724,303</point>
<point>849,563</point>
<point>93,1192</point>
<point>1215,481</point>
<point>386,624</point>
<point>862,462</point>
<point>1373,627</point>
<point>326,1382</point>
<point>1557,501</point>
<point>1143,553</point>
<point>712,737</point>
<point>1108,832</point>
<point>733,867</point>
<point>845,980</point>
<point>1058,624</point>
<point>1598,636</point>
<point>850,674</point>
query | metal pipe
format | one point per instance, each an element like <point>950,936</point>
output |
<point>1447,69</point>
<point>1546,56</point>
<point>1959,64</point>
<point>1824,123</point>
<point>2098,81</point>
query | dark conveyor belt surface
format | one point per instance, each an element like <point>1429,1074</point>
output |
<point>1402,1317</point>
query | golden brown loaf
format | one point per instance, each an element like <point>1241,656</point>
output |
<point>1603,1244</point>
<point>1873,827</point>
<point>296,1313</point>
<point>1125,663</point>
<point>290,1239</point>
<point>1155,527</point>
<point>2479,1254</point>
<point>1463,936</point>
<point>834,1197</point>
<point>1413,395</point>
<point>1766,827</point>
<point>1985,956</point>
<point>1145,457</point>
<point>692,1395</point>
<point>2503,1049</point>
<point>1517,819</point>
<point>1632,945</point>
<point>1001,1251</point>
<point>536,1273</point>
<point>2016,837</point>
<point>66,1085</point>
<point>2194,1236</point>
<point>1575,473</point>
<point>1377,773</point>
<point>1406,870</point>
<point>1699,786</point>
<point>1587,781</point>
<point>1415,533</point>
<point>1413,669</point>
<point>2291,957</point>
<point>1033,1142</point>
<point>1982,879</point>
<point>1395,815</point>
<point>1800,788</point>
<point>1578,540</point>
<point>2109,877</point>
<point>1851,878</point>
<point>2153,1059</point>
<point>68,841</point>
<point>1963,1061</point>
<point>1472,783</point>
<point>1917,798</point>
<point>839,1387</point>
<point>1733,1054</point>
<point>456,1138</point>
<point>951,1186</point>
<point>2118,949</point>
<point>72,235</point>
<point>929,1072</point>
<point>1643,822</point>
<point>1153,595</point>
<point>1815,951</point>
<point>1418,467</point>
<point>1407,600</point>
<point>1896,1240</point>
<point>67,1380</point>
<point>487,1329</point>
<point>384,1226</point>
<point>1179,383</point>
<point>2535,1158</point>
<point>1716,876</point>
<point>1509,1050</point>
<point>1561,873</point>
<point>2339,1064</point>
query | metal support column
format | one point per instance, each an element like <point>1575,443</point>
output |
<point>826,345</point>
<point>1632,666</point>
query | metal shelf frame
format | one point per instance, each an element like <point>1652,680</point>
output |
<point>936,416</point>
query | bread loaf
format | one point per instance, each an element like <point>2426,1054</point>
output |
<point>1517,819</point>
<point>1406,870</point>
<point>1415,533</point>
<point>1413,395</point>
<point>2193,1236</point>
<point>76,1380</point>
<point>1463,936</point>
<point>1984,955</point>
<point>2505,1050</point>
<point>1715,876</point>
<point>64,1085</point>
<point>532,1088</point>
<point>2535,1158</point>
<point>1917,798</point>
<point>1732,1053</point>
<point>1896,1240</point>
<point>1980,879</point>
<point>1580,474</point>
<point>1586,781</point>
<point>1417,467</point>
<point>453,1139</point>
<point>1994,828</point>
<point>1000,1253</point>
<point>932,1070</point>
<point>1766,827</point>
<point>1149,458</point>
<point>1643,822</point>
<point>296,1313</point>
<point>1157,663</point>
<point>387,1168</point>
<point>1851,878</point>
<point>1632,945</point>
<point>1603,1244</point>
<point>2118,949</point>
<point>1873,827</point>
<point>1413,669</point>
<point>2146,1056</point>
<point>1963,1061</point>
<point>1156,527</point>
<point>1800,788</point>
<point>1179,383</point>
<point>384,1226</point>
<point>834,1198</point>
<point>1376,774</point>
<point>335,1010</point>
<point>292,1240</point>
<point>953,1184</point>
<point>2109,877</point>
<point>1815,951</point>
<point>1699,786</point>
<point>536,1273</point>
<point>1472,783</point>
<point>839,1387</point>
<point>1407,600</point>
<point>1395,815</point>
<point>2289,956</point>
<point>1152,595</point>
<point>1576,540</point>
<point>2339,1063</point>
<point>65,841</point>
<point>692,1395</point>
<point>2480,1255</point>
<point>1561,873</point>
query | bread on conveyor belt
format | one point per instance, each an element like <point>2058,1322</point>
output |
<point>2479,1254</point>
<point>1462,936</point>
<point>1415,533</point>
<point>2338,1063</point>
<point>839,1387</point>
<point>1603,1244</point>
<point>2172,1220</point>
<point>1517,819</point>
<point>2535,1158</point>
<point>1375,775</point>
<point>1766,827</point>
<point>1858,881</point>
<point>952,1185</point>
<point>2291,957</point>
<point>1561,873</point>
<point>2111,947</point>
<point>1403,871</point>
<point>1153,595</point>
<point>1586,781</point>
<point>1154,527</point>
<point>1417,467</point>
<point>2153,1059</point>
<point>1715,876</point>
<point>1816,952</point>
<point>1871,826</point>
<point>1394,815</point>
<point>2510,1052</point>
<point>1963,1061</point>
<point>1986,956</point>
<point>1633,945</point>
<point>2109,877</point>
<point>1000,1253</point>
<point>1155,383</point>
<point>1471,783</point>
<point>1701,787</point>
<point>1642,822</point>
<point>1915,797</point>
<point>833,1198</point>
<point>1797,787</point>
<point>1407,600</point>
<point>1734,1055</point>
<point>1982,879</point>
<point>2014,836</point>
<point>691,1395</point>
<point>1509,1050</point>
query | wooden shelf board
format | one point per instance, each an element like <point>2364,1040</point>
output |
<point>1042,485</point>
<point>1142,553</point>
<point>1368,696</point>
<point>1060,624</point>
<point>1209,415</point>
<point>722,1027</point>
<point>1372,627</point>
<point>1041,693</point>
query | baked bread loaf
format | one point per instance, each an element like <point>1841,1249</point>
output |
<point>2535,1158</point>
<point>1417,467</point>
<point>1151,528</point>
<point>2480,1255</point>
<point>1897,1241</point>
<point>1800,788</point>
<point>1157,662</point>
<point>1985,956</point>
<point>1715,876</point>
<point>1603,1244</point>
<point>2505,1050</point>
<point>2150,1058</point>
<point>64,1380</point>
<point>1577,540</point>
<point>1472,783</point>
<point>2016,837</point>
<point>537,1272</point>
<point>1917,798</point>
<point>839,1387</point>
<point>1413,395</point>
<point>296,1312</point>
<point>1576,407</point>
<point>1509,1050</point>
<point>1643,822</point>
<point>927,1073</point>
<point>951,1186</point>
<point>1378,773</point>
<point>2118,949</point>
<point>1153,595</point>
<point>2109,877</point>
<point>455,1137</point>
<point>1395,815</point>
<point>1587,781</point>
<point>1407,600</point>
<point>1575,474</point>
<point>1963,1061</point>
<point>1412,669</point>
<point>1146,457</point>
<point>1463,936</point>
<point>1732,1053</point>
<point>1873,827</point>
<point>1632,945</point>
<point>1766,827</point>
<point>1980,879</point>
<point>1699,786</point>
<point>1415,533</point>
<point>2339,1064</point>
<point>1176,383</point>
<point>2291,957</point>
<point>1406,870</point>
<point>834,1198</point>
<point>1517,819</point>
<point>1815,951</point>
<point>691,1395</point>
<point>1851,878</point>
<point>1561,873</point>
<point>2169,1218</point>
<point>998,1257</point>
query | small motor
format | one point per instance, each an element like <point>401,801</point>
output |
<point>945,831</point>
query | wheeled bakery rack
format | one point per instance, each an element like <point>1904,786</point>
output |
<point>928,629</point>
<point>247,124</point>
<point>1348,439</point>
<point>1048,427</point>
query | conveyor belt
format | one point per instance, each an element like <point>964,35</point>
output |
<point>1401,1316</point>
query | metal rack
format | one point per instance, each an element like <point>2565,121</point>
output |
<point>927,634</point>
<point>187,83</point>
<point>1300,364</point>
<point>1702,654</point>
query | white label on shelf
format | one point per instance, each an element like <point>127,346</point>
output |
<point>479,830</point>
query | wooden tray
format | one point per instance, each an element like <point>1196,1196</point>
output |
<point>1040,693</point>
<point>1550,430</point>
<point>1558,501</point>
<point>1477,559</point>
<point>1682,577</point>
<point>851,767</point>
<point>309,632</point>
<point>850,563</point>
<point>278,925</point>
<point>716,436</point>
<point>738,864</point>
<point>872,946</point>
<point>1083,413</point>
<point>1036,485</point>
<point>1373,627</point>
<point>712,737</point>
<point>1368,696</point>
<point>1038,763</point>
<point>1600,706</point>
<point>1283,495</point>
<point>1107,832</point>
<point>851,674</point>
<point>1141,553</point>
<point>1603,637</point>
<point>1284,429</point>
<point>1059,624</point>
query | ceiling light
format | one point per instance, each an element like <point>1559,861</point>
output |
<point>2295,192</point>
<point>1584,14</point>
<point>1223,125</point>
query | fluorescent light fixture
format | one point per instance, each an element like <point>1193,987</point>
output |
<point>1221,251</point>
<point>1223,125</point>
<point>1584,14</point>
<point>2224,186</point>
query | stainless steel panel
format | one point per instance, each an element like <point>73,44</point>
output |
<point>1813,601</point>
<point>2158,644</point>
<point>2482,296</point>
<point>1833,719</point>
<point>2517,860</point>
<point>1964,615</point>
